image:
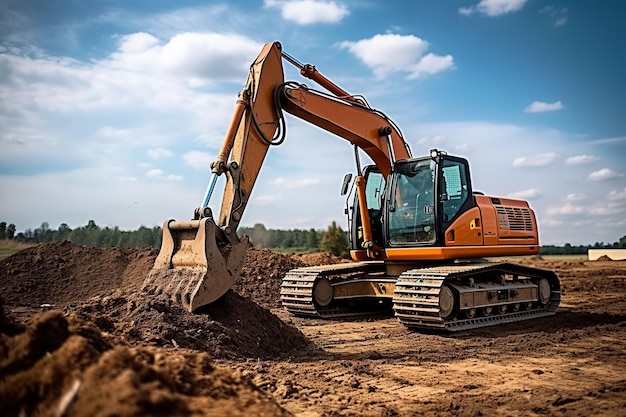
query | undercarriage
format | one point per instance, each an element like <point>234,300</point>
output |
<point>452,297</point>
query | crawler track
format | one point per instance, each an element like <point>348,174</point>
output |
<point>418,291</point>
<point>298,288</point>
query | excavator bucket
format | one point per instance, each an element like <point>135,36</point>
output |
<point>195,266</point>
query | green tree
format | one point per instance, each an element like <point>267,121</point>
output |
<point>145,237</point>
<point>312,239</point>
<point>63,232</point>
<point>335,241</point>
<point>43,233</point>
<point>3,230</point>
<point>10,231</point>
<point>276,238</point>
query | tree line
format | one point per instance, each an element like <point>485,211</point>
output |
<point>568,249</point>
<point>89,235</point>
<point>333,240</point>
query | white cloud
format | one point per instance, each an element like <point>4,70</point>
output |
<point>389,53</point>
<point>604,216</point>
<point>558,16</point>
<point>308,12</point>
<point>550,222</point>
<point>303,183</point>
<point>432,64</point>
<point>137,42</point>
<point>494,8</point>
<point>158,153</point>
<point>618,140</point>
<point>560,21</point>
<point>426,141</point>
<point>539,160</point>
<point>606,209</point>
<point>128,98</point>
<point>581,159</point>
<point>530,194</point>
<point>111,132</point>
<point>567,210</point>
<point>198,160</point>
<point>604,174</point>
<point>617,194</point>
<point>196,57</point>
<point>266,200</point>
<point>540,106</point>
<point>462,147</point>
<point>209,56</point>
<point>295,183</point>
<point>575,197</point>
<point>126,179</point>
<point>160,175</point>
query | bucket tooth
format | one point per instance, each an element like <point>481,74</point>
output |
<point>193,268</point>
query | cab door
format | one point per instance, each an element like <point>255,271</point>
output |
<point>411,205</point>
<point>375,194</point>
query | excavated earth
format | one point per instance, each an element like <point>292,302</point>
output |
<point>79,338</point>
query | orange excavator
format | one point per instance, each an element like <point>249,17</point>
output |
<point>419,234</point>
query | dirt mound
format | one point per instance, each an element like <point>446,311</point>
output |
<point>320,258</point>
<point>97,345</point>
<point>264,269</point>
<point>232,327</point>
<point>56,367</point>
<point>604,258</point>
<point>103,286</point>
<point>261,275</point>
<point>62,272</point>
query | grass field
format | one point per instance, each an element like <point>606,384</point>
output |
<point>9,247</point>
<point>579,257</point>
<point>571,258</point>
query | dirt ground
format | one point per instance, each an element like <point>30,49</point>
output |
<point>78,338</point>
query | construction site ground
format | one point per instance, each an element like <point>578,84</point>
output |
<point>79,338</point>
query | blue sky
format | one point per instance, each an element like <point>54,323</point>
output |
<point>113,110</point>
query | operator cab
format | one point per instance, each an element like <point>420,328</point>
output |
<point>416,203</point>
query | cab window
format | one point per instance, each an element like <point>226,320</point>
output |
<point>412,210</point>
<point>455,188</point>
<point>374,189</point>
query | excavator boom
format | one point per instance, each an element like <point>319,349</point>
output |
<point>200,259</point>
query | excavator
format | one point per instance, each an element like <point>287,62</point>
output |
<point>422,241</point>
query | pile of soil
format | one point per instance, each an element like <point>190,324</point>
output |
<point>129,353</point>
<point>62,273</point>
<point>261,275</point>
<point>103,286</point>
<point>55,366</point>
<point>263,271</point>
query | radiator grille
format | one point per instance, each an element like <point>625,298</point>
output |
<point>514,218</point>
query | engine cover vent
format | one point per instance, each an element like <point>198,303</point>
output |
<point>514,218</point>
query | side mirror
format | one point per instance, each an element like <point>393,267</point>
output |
<point>346,183</point>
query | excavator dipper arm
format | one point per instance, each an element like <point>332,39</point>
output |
<point>201,259</point>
